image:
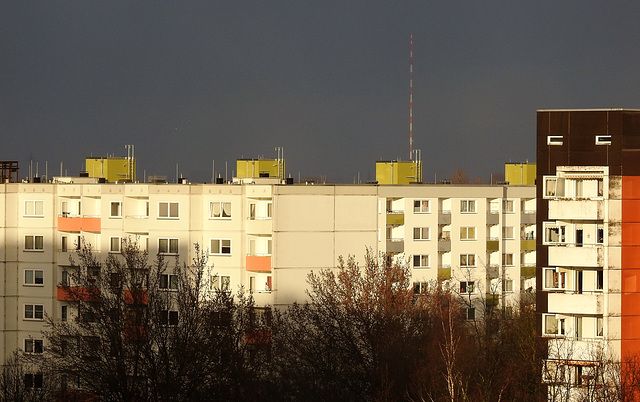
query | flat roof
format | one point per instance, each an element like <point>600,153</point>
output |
<point>618,109</point>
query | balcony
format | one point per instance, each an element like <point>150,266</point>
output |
<point>259,225</point>
<point>571,256</point>
<point>444,272</point>
<point>493,218</point>
<point>528,217</point>
<point>78,224</point>
<point>444,245</point>
<point>75,293</point>
<point>444,217</point>
<point>492,300</point>
<point>136,297</point>
<point>395,218</point>
<point>576,209</point>
<point>395,246</point>
<point>575,303</point>
<point>528,270</point>
<point>528,245</point>
<point>257,337</point>
<point>493,271</point>
<point>258,263</point>
<point>493,244</point>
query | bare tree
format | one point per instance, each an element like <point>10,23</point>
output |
<point>22,380</point>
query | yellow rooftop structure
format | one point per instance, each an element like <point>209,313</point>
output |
<point>398,172</point>
<point>260,168</point>
<point>113,169</point>
<point>520,173</point>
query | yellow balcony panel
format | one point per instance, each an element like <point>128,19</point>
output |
<point>78,224</point>
<point>257,263</point>
<point>444,273</point>
<point>493,245</point>
<point>493,300</point>
<point>528,271</point>
<point>395,219</point>
<point>527,244</point>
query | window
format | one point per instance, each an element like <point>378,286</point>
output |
<point>507,285</point>
<point>168,210</point>
<point>220,210</point>
<point>467,260</point>
<point>114,244</point>
<point>252,211</point>
<point>222,283</point>
<point>64,313</point>
<point>470,313</point>
<point>603,140</point>
<point>507,206</point>
<point>468,233</point>
<point>553,325</point>
<point>599,280</point>
<point>33,380</point>
<point>34,209</point>
<point>507,232</point>
<point>33,345</point>
<point>269,210</point>
<point>169,317</point>
<point>600,234</point>
<point>554,234</point>
<point>554,140</point>
<point>507,259</point>
<point>33,277</point>
<point>65,278</point>
<point>468,206</point>
<point>168,246</point>
<point>420,206</point>
<point>421,261</point>
<point>116,209</point>
<point>33,243</point>
<point>467,287</point>
<point>221,246</point>
<point>420,233</point>
<point>554,280</point>
<point>169,282</point>
<point>33,311</point>
<point>420,287</point>
<point>599,326</point>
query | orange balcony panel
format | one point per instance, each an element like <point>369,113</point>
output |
<point>257,337</point>
<point>78,224</point>
<point>259,263</point>
<point>78,294</point>
<point>135,332</point>
<point>136,297</point>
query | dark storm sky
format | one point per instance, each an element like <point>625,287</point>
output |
<point>189,82</point>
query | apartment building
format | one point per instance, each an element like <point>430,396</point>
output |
<point>587,266</point>
<point>264,236</point>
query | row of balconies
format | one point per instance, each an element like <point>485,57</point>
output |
<point>396,218</point>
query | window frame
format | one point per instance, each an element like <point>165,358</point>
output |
<point>555,140</point>
<point>470,313</point>
<point>420,231</point>
<point>467,287</point>
<point>421,258</point>
<point>34,242</point>
<point>119,210</point>
<point>169,243</point>
<point>36,346</point>
<point>221,205</point>
<point>169,214</point>
<point>508,206</point>
<point>33,380</point>
<point>167,318</point>
<point>221,249</point>
<point>33,277</point>
<point>603,139</point>
<point>560,323</point>
<point>505,233</point>
<point>466,265</point>
<point>35,209</point>
<point>217,283</point>
<point>468,207</point>
<point>419,206</point>
<point>168,282</point>
<point>561,279</point>
<point>118,242</point>
<point>34,312</point>
<point>505,259</point>
<point>507,285</point>
<point>466,230</point>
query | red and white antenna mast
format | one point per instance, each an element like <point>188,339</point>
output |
<point>411,97</point>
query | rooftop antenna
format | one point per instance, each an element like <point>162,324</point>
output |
<point>411,97</point>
